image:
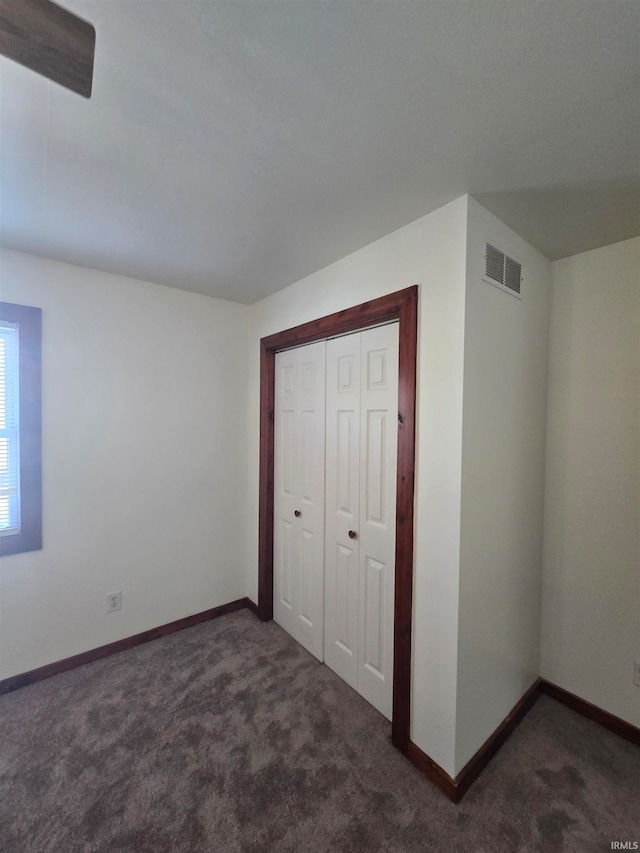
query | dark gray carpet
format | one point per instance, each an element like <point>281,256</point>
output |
<point>230,737</point>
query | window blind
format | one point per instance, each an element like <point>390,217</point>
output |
<point>9,430</point>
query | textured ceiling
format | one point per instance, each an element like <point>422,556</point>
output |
<point>231,148</point>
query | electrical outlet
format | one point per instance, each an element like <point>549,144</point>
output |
<point>114,601</point>
<point>636,672</point>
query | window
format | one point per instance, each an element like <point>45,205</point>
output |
<point>20,429</point>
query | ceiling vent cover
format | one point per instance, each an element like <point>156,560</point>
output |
<point>503,271</point>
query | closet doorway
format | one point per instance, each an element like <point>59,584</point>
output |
<point>336,416</point>
<point>401,306</point>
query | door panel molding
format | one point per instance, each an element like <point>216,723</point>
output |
<point>378,484</point>
<point>402,306</point>
<point>342,500</point>
<point>299,504</point>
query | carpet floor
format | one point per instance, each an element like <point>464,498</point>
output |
<point>229,737</point>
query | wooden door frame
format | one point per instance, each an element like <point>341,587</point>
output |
<point>401,306</point>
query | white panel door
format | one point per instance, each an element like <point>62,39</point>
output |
<point>377,531</point>
<point>298,596</point>
<point>362,412</point>
<point>343,507</point>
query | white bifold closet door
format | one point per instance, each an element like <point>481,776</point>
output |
<point>299,494</point>
<point>361,461</point>
<point>336,411</point>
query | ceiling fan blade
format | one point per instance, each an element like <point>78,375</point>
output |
<point>46,38</point>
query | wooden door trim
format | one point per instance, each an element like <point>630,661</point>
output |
<point>402,306</point>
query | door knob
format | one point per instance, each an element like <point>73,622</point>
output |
<point>297,513</point>
<point>352,534</point>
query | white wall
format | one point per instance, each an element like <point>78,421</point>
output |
<point>429,252</point>
<point>144,456</point>
<point>503,458</point>
<point>591,592</point>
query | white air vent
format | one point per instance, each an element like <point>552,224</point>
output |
<point>503,271</point>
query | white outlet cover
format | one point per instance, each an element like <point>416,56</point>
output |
<point>114,601</point>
